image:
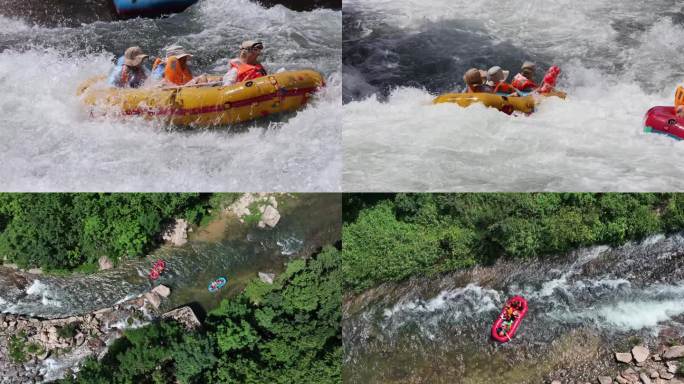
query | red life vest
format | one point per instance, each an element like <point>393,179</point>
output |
<point>131,80</point>
<point>504,87</point>
<point>247,71</point>
<point>524,84</point>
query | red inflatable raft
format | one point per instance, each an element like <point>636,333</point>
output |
<point>157,269</point>
<point>519,304</point>
<point>664,120</point>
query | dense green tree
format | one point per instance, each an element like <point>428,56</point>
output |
<point>398,236</point>
<point>68,230</point>
<point>285,332</point>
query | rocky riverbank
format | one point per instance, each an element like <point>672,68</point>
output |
<point>36,350</point>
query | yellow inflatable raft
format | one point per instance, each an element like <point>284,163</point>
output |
<point>205,105</point>
<point>523,104</point>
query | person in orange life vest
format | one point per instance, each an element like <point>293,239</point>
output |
<point>474,81</point>
<point>159,64</point>
<point>679,102</point>
<point>524,81</point>
<point>130,71</point>
<point>176,70</point>
<point>496,79</point>
<point>247,66</point>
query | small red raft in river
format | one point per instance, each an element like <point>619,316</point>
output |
<point>157,269</point>
<point>507,323</point>
<point>664,120</point>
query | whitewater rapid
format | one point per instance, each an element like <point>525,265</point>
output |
<point>49,143</point>
<point>618,61</point>
<point>635,291</point>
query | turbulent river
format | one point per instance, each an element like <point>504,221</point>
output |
<point>236,251</point>
<point>49,142</point>
<point>583,306</point>
<point>618,60</point>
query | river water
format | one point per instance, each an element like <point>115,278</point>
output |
<point>49,142</point>
<point>583,307</point>
<point>618,60</point>
<point>236,251</point>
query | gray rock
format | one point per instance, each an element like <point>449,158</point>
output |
<point>105,263</point>
<point>653,374</point>
<point>605,380</point>
<point>153,299</point>
<point>666,375</point>
<point>79,339</point>
<point>178,233</point>
<point>270,217</point>
<point>556,382</point>
<point>185,316</point>
<point>266,277</point>
<point>644,378</point>
<point>622,380</point>
<point>671,366</point>
<point>675,352</point>
<point>623,357</point>
<point>640,353</point>
<point>162,290</point>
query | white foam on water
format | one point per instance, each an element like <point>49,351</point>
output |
<point>593,141</point>
<point>49,143</point>
<point>37,288</point>
<point>447,299</point>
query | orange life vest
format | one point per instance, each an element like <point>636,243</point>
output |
<point>523,83</point>
<point>679,97</point>
<point>174,73</point>
<point>247,71</point>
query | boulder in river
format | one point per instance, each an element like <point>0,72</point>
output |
<point>105,263</point>
<point>162,290</point>
<point>675,352</point>
<point>623,357</point>
<point>153,299</point>
<point>269,217</point>
<point>640,353</point>
<point>605,380</point>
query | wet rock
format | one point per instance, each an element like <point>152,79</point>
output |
<point>605,380</point>
<point>640,353</point>
<point>178,233</point>
<point>623,357</point>
<point>675,352</point>
<point>269,217</point>
<point>105,263</point>
<point>153,299</point>
<point>266,277</point>
<point>95,343</point>
<point>162,290</point>
<point>644,378</point>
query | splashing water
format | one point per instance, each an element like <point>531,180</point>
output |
<point>49,142</point>
<point>618,61</point>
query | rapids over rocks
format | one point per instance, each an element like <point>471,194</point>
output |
<point>237,251</point>
<point>582,307</point>
<point>49,142</point>
<point>618,60</point>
